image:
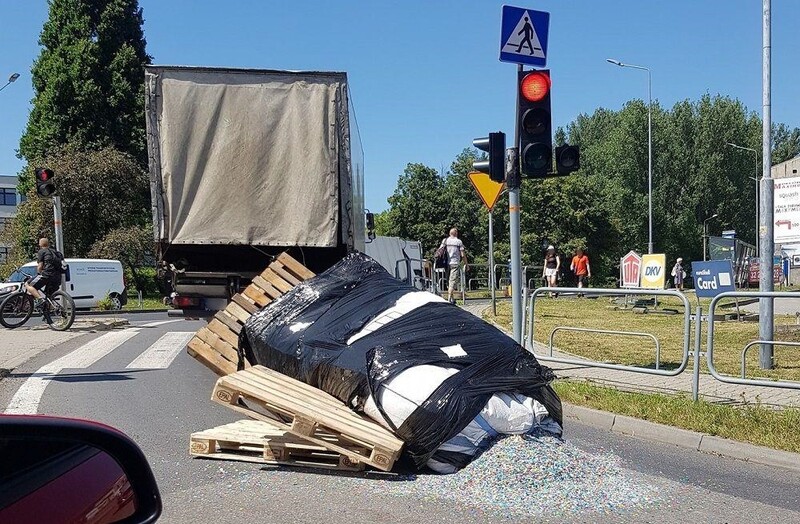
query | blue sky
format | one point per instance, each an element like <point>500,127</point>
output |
<point>424,75</point>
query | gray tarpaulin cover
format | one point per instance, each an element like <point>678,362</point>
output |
<point>248,158</point>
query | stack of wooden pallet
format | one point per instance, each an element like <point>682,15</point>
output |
<point>291,423</point>
<point>216,344</point>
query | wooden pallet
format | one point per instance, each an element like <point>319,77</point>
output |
<point>308,413</point>
<point>257,441</point>
<point>215,345</point>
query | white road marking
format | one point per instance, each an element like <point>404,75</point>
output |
<point>163,351</point>
<point>159,323</point>
<point>26,399</point>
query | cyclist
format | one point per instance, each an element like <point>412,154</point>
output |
<point>49,278</point>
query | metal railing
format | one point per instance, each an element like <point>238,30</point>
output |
<point>710,342</point>
<point>767,342</point>
<point>608,332</point>
<point>418,281</point>
<point>529,342</point>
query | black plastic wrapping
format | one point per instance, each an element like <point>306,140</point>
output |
<point>304,335</point>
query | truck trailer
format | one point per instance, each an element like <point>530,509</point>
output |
<point>245,164</point>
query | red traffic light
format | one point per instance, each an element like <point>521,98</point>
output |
<point>44,182</point>
<point>44,174</point>
<point>535,86</point>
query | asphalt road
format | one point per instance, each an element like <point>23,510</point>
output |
<point>782,306</point>
<point>160,408</point>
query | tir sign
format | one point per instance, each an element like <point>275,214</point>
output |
<point>535,123</point>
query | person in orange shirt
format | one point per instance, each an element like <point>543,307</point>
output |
<point>581,268</point>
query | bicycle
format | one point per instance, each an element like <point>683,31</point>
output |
<point>57,308</point>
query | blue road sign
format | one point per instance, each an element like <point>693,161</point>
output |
<point>523,36</point>
<point>712,278</point>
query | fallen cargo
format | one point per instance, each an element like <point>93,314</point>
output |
<point>446,382</point>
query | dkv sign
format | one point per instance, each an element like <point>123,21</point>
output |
<point>654,271</point>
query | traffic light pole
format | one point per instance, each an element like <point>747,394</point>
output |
<point>513,182</point>
<point>59,233</point>
<point>57,229</point>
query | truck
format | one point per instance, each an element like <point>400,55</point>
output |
<point>245,164</point>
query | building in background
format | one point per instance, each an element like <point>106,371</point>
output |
<point>9,200</point>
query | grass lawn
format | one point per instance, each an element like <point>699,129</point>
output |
<point>147,303</point>
<point>754,424</point>
<point>604,313</point>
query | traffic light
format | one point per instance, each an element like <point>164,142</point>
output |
<point>44,182</point>
<point>535,123</point>
<point>568,159</point>
<point>495,164</point>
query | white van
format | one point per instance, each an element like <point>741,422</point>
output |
<point>88,280</point>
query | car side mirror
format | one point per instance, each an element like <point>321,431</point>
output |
<point>63,470</point>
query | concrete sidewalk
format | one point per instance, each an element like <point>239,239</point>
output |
<point>711,389</point>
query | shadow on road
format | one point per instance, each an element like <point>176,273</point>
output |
<point>100,376</point>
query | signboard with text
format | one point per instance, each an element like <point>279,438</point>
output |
<point>754,273</point>
<point>712,278</point>
<point>630,267</point>
<point>787,210</point>
<point>654,271</point>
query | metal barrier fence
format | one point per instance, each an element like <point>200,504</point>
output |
<point>420,281</point>
<point>710,342</point>
<point>529,342</point>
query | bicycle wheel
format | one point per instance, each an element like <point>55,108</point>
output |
<point>61,314</point>
<point>16,309</point>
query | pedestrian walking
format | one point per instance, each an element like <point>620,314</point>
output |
<point>678,274</point>
<point>581,268</point>
<point>552,264</point>
<point>455,256</point>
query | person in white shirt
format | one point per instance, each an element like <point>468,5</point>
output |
<point>455,255</point>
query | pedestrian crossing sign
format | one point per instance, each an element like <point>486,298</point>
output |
<point>523,36</point>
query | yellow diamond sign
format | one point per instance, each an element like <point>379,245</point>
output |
<point>487,189</point>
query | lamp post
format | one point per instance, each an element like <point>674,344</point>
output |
<point>705,235</point>
<point>11,80</point>
<point>649,147</point>
<point>755,178</point>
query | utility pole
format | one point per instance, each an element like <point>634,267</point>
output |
<point>767,244</point>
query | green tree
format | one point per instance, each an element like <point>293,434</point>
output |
<point>463,208</point>
<point>133,246</point>
<point>604,206</point>
<point>383,224</point>
<point>417,208</point>
<point>785,143</point>
<point>89,80</point>
<point>100,191</point>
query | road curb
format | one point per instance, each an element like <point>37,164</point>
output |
<point>701,442</point>
<point>118,312</point>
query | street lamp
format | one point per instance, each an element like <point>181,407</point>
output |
<point>649,147</point>
<point>755,178</point>
<point>11,80</point>
<point>705,235</point>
